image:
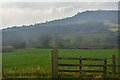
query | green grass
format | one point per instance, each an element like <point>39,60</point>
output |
<point>42,57</point>
<point>27,58</point>
<point>36,63</point>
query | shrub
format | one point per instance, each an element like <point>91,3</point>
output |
<point>7,49</point>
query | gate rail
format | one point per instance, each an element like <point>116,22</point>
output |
<point>55,64</point>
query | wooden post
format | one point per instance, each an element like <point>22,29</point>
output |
<point>2,74</point>
<point>114,64</point>
<point>105,67</point>
<point>80,62</point>
<point>54,57</point>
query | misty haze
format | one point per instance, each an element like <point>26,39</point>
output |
<point>35,36</point>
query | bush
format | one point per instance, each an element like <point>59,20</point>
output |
<point>19,45</point>
<point>7,49</point>
<point>107,46</point>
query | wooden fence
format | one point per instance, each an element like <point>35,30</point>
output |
<point>55,64</point>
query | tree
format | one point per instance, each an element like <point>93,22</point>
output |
<point>14,40</point>
<point>60,42</point>
<point>112,39</point>
<point>77,42</point>
<point>44,41</point>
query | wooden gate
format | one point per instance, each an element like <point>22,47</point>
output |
<point>55,64</point>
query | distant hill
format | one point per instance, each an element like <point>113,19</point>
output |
<point>100,21</point>
<point>91,18</point>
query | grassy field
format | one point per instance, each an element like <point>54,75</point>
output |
<point>41,58</point>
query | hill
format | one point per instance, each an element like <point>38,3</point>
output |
<point>100,21</point>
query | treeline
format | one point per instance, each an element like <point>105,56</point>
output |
<point>15,41</point>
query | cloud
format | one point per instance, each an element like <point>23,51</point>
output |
<point>59,0</point>
<point>17,16</point>
<point>31,12</point>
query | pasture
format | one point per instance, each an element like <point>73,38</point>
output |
<point>41,58</point>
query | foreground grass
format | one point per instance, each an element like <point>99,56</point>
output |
<point>24,63</point>
<point>27,58</point>
<point>26,73</point>
<point>32,73</point>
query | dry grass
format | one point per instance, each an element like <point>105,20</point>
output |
<point>41,73</point>
<point>26,73</point>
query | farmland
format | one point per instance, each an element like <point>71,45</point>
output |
<point>41,58</point>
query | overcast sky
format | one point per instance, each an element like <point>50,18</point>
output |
<point>26,13</point>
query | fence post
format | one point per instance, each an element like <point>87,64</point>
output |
<point>105,67</point>
<point>114,64</point>
<point>80,62</point>
<point>54,57</point>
